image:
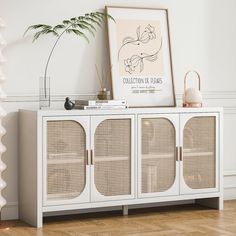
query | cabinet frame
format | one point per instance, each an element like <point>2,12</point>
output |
<point>31,162</point>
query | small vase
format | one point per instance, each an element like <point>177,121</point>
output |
<point>104,94</point>
<point>44,92</point>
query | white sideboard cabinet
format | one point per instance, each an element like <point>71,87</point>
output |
<point>72,160</point>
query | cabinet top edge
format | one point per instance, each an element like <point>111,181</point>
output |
<point>133,111</point>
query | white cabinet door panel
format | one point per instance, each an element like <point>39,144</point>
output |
<point>199,139</point>
<point>158,166</point>
<point>66,175</point>
<point>112,169</point>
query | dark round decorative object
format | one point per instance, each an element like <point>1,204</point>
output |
<point>69,105</point>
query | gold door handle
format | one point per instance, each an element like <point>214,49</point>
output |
<point>92,157</point>
<point>87,157</point>
<point>177,153</point>
<point>181,153</point>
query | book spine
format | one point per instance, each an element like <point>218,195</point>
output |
<point>95,107</point>
<point>101,103</point>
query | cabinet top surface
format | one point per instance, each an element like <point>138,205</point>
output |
<point>146,110</point>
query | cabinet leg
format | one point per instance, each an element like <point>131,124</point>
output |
<point>125,210</point>
<point>216,203</point>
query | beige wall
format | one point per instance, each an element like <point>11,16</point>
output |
<point>203,36</point>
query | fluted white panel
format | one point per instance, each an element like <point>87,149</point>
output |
<point>2,114</point>
<point>2,201</point>
<point>2,166</point>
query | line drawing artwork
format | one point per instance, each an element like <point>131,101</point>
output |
<point>135,60</point>
<point>144,37</point>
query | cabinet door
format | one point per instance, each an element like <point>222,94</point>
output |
<point>66,175</point>
<point>199,135</point>
<point>112,159</point>
<point>158,166</point>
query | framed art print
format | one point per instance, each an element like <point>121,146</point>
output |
<point>140,56</point>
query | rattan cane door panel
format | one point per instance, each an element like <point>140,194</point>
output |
<point>112,156</point>
<point>158,164</point>
<point>199,152</point>
<point>66,159</point>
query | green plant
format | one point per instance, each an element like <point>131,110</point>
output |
<point>79,26</point>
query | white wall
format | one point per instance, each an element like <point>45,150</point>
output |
<point>203,36</point>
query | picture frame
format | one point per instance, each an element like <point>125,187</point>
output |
<point>140,56</point>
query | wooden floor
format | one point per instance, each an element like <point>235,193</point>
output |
<point>179,220</point>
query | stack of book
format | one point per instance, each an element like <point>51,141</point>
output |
<point>100,104</point>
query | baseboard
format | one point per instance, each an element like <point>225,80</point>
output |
<point>10,211</point>
<point>228,173</point>
<point>230,193</point>
<point>229,185</point>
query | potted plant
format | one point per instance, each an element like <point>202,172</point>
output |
<point>79,26</point>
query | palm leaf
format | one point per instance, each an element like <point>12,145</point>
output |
<point>88,24</point>
<point>44,31</point>
<point>85,22</point>
<point>73,19</point>
<point>53,32</point>
<point>98,18</point>
<point>36,36</point>
<point>55,28</point>
<point>105,15</point>
<point>66,22</point>
<point>84,27</point>
<point>93,20</point>
<point>80,18</point>
<point>77,32</point>
<point>33,27</point>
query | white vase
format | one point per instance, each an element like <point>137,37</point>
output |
<point>44,92</point>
